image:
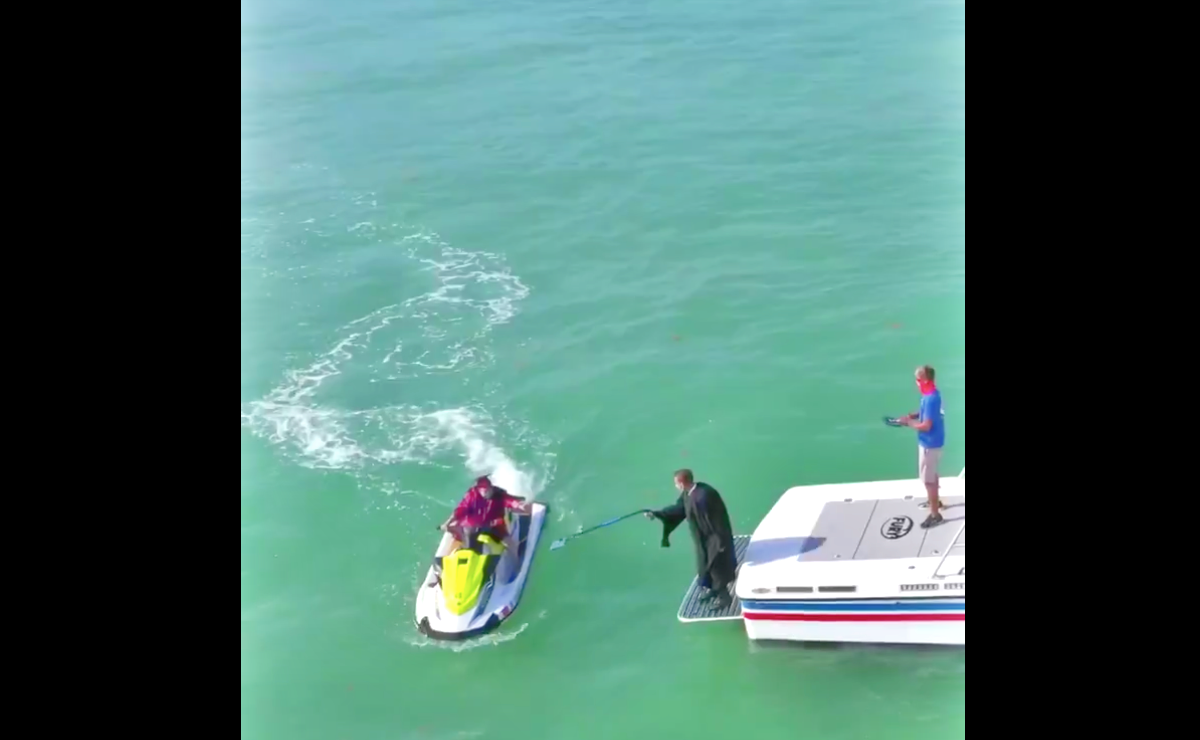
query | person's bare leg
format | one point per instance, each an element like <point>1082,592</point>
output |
<point>929,460</point>
<point>935,503</point>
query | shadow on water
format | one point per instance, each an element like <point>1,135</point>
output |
<point>783,548</point>
<point>855,647</point>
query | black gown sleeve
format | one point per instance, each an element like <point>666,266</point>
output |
<point>671,517</point>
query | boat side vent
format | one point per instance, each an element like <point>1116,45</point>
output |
<point>794,589</point>
<point>919,587</point>
<point>950,586</point>
<point>837,589</point>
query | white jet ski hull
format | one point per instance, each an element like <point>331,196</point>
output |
<point>501,594</point>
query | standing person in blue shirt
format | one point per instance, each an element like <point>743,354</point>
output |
<point>931,435</point>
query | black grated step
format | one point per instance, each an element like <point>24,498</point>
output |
<point>694,610</point>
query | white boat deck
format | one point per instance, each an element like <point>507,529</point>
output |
<point>858,541</point>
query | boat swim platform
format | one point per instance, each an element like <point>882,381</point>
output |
<point>694,610</point>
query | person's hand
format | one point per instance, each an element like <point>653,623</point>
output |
<point>650,515</point>
<point>904,421</point>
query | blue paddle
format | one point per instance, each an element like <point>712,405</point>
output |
<point>560,543</point>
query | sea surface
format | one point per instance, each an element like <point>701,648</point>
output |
<point>580,244</point>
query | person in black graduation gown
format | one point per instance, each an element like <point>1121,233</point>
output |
<point>712,534</point>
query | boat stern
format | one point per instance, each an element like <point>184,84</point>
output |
<point>850,563</point>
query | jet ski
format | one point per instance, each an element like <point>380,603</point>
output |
<point>473,587</point>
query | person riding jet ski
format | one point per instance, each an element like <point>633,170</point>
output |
<point>481,511</point>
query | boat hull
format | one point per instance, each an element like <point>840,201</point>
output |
<point>878,621</point>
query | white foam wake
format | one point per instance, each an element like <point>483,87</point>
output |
<point>481,455</point>
<point>443,330</point>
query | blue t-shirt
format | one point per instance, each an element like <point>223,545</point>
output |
<point>931,408</point>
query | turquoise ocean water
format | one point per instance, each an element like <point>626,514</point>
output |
<point>581,244</point>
